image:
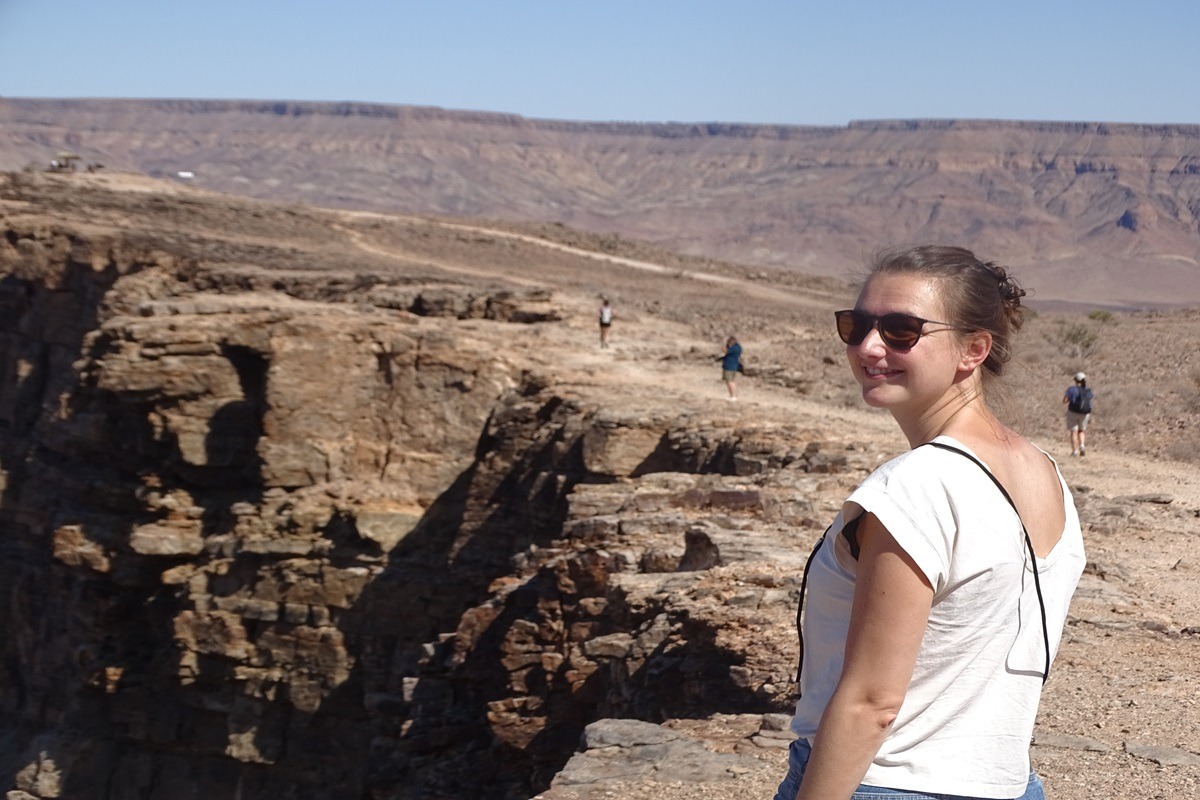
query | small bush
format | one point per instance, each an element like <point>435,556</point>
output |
<point>1125,401</point>
<point>1184,450</point>
<point>1075,340</point>
<point>1101,316</point>
<point>1190,392</point>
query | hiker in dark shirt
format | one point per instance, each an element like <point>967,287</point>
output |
<point>1078,400</point>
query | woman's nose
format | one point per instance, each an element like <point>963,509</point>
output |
<point>871,343</point>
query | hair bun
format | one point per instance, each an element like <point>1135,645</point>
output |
<point>977,295</point>
<point>1010,291</point>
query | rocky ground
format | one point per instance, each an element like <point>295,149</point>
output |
<point>1119,714</point>
<point>1120,709</point>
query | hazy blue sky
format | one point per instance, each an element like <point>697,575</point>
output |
<point>767,61</point>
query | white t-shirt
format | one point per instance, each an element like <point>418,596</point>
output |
<point>966,721</point>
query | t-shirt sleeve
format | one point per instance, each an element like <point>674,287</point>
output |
<point>914,505</point>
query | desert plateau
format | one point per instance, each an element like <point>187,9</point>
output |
<point>1080,208</point>
<point>303,501</point>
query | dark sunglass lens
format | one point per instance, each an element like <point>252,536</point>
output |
<point>852,326</point>
<point>900,330</point>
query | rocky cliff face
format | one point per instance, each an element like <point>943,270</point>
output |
<point>1079,207</point>
<point>198,490</point>
<point>282,533</point>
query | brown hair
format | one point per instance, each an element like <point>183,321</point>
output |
<point>978,295</point>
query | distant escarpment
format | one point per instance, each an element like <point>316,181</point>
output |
<point>1081,208</point>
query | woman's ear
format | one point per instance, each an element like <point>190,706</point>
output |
<point>976,348</point>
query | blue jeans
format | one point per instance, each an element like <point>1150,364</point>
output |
<point>798,760</point>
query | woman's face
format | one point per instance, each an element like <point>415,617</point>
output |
<point>914,380</point>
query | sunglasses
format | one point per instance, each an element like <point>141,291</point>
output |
<point>898,331</point>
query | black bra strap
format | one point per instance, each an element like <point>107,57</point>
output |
<point>1028,544</point>
<point>800,606</point>
<point>1037,582</point>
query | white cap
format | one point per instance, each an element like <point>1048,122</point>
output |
<point>1079,376</point>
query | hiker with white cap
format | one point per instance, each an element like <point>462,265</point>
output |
<point>1078,400</point>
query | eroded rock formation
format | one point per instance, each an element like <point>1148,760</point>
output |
<point>286,534</point>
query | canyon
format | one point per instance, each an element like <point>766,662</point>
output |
<point>330,503</point>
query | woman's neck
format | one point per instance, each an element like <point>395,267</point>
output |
<point>961,414</point>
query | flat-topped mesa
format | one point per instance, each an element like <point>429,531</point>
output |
<point>1057,199</point>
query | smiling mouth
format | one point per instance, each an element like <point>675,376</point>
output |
<point>878,372</point>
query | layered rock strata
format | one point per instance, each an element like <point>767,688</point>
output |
<point>1077,207</point>
<point>267,536</point>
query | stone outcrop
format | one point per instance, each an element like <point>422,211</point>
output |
<point>200,490</point>
<point>626,748</point>
<point>289,532</point>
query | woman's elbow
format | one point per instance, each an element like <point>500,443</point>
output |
<point>881,710</point>
<point>882,718</point>
<point>875,709</point>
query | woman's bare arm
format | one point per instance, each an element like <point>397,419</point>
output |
<point>892,599</point>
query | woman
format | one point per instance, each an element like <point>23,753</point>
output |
<point>926,632</point>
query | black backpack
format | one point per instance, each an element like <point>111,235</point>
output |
<point>1082,404</point>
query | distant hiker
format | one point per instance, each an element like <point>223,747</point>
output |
<point>606,320</point>
<point>932,608</point>
<point>1078,400</point>
<point>731,365</point>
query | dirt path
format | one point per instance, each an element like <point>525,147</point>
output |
<point>642,353</point>
<point>745,289</point>
<point>358,239</point>
<point>645,266</point>
<point>1117,474</point>
<point>644,363</point>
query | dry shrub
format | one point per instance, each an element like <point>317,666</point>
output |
<point>1191,392</point>
<point>1073,338</point>
<point>847,396</point>
<point>1032,350</point>
<point>1186,449</point>
<point>1123,401</point>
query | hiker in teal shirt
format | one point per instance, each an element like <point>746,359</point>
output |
<point>731,364</point>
